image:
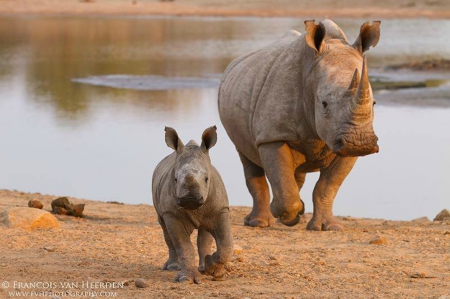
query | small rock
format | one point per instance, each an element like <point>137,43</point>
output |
<point>421,275</point>
<point>27,218</point>
<point>127,282</point>
<point>35,204</point>
<point>140,283</point>
<point>60,211</point>
<point>378,240</point>
<point>49,248</point>
<point>237,249</point>
<point>421,220</point>
<point>63,206</point>
<point>443,215</point>
<point>273,258</point>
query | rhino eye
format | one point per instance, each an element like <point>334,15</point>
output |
<point>176,181</point>
<point>374,102</point>
<point>206,180</point>
<point>324,104</point>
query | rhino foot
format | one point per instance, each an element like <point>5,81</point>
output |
<point>188,276</point>
<point>324,224</point>
<point>258,220</point>
<point>216,270</point>
<point>288,217</point>
<point>171,266</point>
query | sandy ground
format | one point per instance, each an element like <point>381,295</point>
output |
<point>302,8</point>
<point>120,243</point>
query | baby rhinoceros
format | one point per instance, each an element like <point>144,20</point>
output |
<point>188,193</point>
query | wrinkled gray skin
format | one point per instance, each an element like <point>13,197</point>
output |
<point>188,193</point>
<point>299,105</point>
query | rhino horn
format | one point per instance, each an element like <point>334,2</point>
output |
<point>363,93</point>
<point>354,83</point>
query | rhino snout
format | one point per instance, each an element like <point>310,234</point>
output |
<point>346,148</point>
<point>190,203</point>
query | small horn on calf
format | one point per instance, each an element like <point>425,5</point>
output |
<point>363,92</point>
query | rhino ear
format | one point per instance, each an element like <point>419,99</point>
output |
<point>369,35</point>
<point>209,138</point>
<point>315,35</point>
<point>172,139</point>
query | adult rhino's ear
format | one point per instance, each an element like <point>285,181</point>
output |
<point>209,138</point>
<point>315,35</point>
<point>172,139</point>
<point>369,35</point>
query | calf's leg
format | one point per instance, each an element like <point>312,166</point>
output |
<point>204,245</point>
<point>215,263</point>
<point>181,241</point>
<point>172,263</point>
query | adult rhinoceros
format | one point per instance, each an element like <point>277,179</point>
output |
<point>299,105</point>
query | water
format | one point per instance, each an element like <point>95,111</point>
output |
<point>63,136</point>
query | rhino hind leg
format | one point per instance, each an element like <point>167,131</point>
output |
<point>300,179</point>
<point>255,179</point>
<point>204,245</point>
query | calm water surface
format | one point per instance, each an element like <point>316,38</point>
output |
<point>64,137</point>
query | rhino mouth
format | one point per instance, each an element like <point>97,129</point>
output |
<point>190,203</point>
<point>346,148</point>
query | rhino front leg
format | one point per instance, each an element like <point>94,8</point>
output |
<point>278,164</point>
<point>181,241</point>
<point>325,191</point>
<point>172,263</point>
<point>215,264</point>
<point>255,179</point>
<point>204,245</point>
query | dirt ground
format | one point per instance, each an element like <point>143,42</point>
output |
<point>118,244</point>
<point>302,8</point>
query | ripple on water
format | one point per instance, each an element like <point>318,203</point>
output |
<point>149,82</point>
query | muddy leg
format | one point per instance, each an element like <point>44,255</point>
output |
<point>255,178</point>
<point>300,179</point>
<point>204,245</point>
<point>325,191</point>
<point>277,160</point>
<point>172,263</point>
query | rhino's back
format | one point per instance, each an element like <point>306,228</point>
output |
<point>161,183</point>
<point>258,95</point>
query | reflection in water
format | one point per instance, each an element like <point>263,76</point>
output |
<point>66,138</point>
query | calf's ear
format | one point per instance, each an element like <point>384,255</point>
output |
<point>315,36</point>
<point>209,138</point>
<point>369,35</point>
<point>172,139</point>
